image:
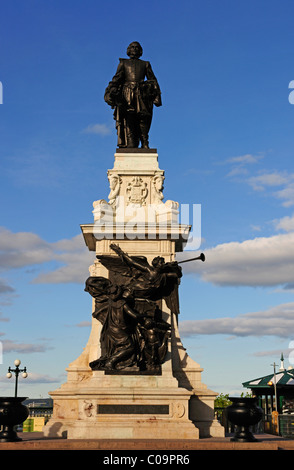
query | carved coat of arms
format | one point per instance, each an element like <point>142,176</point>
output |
<point>137,191</point>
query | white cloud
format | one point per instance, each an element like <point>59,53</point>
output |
<point>3,319</point>
<point>18,250</point>
<point>261,181</point>
<point>238,171</point>
<point>75,259</point>
<point>5,288</point>
<point>75,268</point>
<point>83,324</point>
<point>100,129</point>
<point>22,249</point>
<point>281,183</point>
<point>275,179</point>
<point>285,223</point>
<point>276,321</point>
<point>244,159</point>
<point>256,228</point>
<point>287,194</point>
<point>25,348</point>
<point>239,164</point>
<point>273,353</point>
<point>261,261</point>
<point>34,378</point>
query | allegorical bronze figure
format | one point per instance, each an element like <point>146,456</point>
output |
<point>128,304</point>
<point>120,336</point>
<point>132,98</point>
<point>128,338</point>
<point>151,282</point>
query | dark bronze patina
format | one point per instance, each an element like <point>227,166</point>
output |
<point>128,305</point>
<point>134,335</point>
<point>132,98</point>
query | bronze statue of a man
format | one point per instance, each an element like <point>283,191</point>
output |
<point>132,98</point>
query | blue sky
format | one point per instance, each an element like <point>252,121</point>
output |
<point>225,140</point>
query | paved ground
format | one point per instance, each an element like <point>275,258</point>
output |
<point>36,441</point>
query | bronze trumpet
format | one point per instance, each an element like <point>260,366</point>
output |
<point>201,256</point>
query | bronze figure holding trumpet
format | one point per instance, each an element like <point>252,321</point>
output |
<point>128,304</point>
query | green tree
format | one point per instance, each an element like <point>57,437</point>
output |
<point>222,401</point>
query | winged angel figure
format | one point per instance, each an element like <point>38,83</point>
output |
<point>154,282</point>
<point>128,306</point>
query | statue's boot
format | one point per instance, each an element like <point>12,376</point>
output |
<point>144,137</point>
<point>132,142</point>
<point>145,144</point>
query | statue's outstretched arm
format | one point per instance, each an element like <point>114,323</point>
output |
<point>128,259</point>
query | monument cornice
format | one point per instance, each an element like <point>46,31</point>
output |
<point>125,231</point>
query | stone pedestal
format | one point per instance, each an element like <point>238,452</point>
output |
<point>172,403</point>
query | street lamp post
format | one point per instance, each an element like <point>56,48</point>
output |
<point>17,371</point>
<point>275,386</point>
<point>275,413</point>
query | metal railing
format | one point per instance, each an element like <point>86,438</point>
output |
<point>286,425</point>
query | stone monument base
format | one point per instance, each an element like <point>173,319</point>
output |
<point>173,404</point>
<point>128,410</point>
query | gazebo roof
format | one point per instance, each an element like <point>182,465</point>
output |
<point>283,378</point>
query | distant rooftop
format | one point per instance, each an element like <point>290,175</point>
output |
<point>39,402</point>
<point>283,378</point>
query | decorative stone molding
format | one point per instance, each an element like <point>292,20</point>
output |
<point>178,410</point>
<point>157,184</point>
<point>114,184</point>
<point>88,408</point>
<point>102,210</point>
